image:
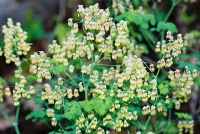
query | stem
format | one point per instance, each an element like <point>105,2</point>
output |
<point>107,65</point>
<point>169,118</point>
<point>147,122</point>
<point>147,39</point>
<point>48,125</point>
<point>59,124</point>
<point>15,124</point>
<point>86,93</point>
<point>5,116</point>
<point>86,97</point>
<point>169,12</point>
<point>93,64</point>
<point>71,79</point>
<point>157,73</point>
<point>171,9</point>
<point>17,114</point>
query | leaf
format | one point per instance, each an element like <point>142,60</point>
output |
<point>108,102</point>
<point>188,18</point>
<point>3,82</point>
<point>31,78</point>
<point>197,55</point>
<point>70,116</point>
<point>73,110</point>
<point>99,107</point>
<point>107,56</point>
<point>136,2</point>
<point>167,26</point>
<point>163,89</point>
<point>191,67</point>
<point>38,101</point>
<point>121,17</point>
<point>152,19</point>
<point>33,26</point>
<point>87,106</point>
<point>35,115</point>
<point>136,108</point>
<point>197,80</point>
<point>59,116</point>
<point>58,68</point>
<point>60,31</point>
<point>144,26</point>
<point>186,116</point>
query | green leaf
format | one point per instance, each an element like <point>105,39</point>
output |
<point>121,16</point>
<point>107,56</point>
<point>188,18</point>
<point>135,17</point>
<point>87,106</point>
<point>197,55</point>
<point>60,31</point>
<point>163,89</point>
<point>70,116</point>
<point>31,78</point>
<point>35,115</point>
<point>108,102</point>
<point>152,19</point>
<point>3,82</point>
<point>136,108</point>
<point>185,116</point>
<point>136,2</point>
<point>197,80</point>
<point>160,86</point>
<point>33,26</point>
<point>38,101</point>
<point>191,67</point>
<point>144,26</point>
<point>57,68</point>
<point>167,26</point>
<point>73,110</point>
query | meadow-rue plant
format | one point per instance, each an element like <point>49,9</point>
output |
<point>98,60</point>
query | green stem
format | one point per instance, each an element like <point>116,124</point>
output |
<point>169,12</point>
<point>47,125</point>
<point>147,39</point>
<point>147,122</point>
<point>107,65</point>
<point>86,93</point>
<point>15,124</point>
<point>86,97</point>
<point>5,116</point>
<point>169,118</point>
<point>157,73</point>
<point>17,114</point>
<point>174,3</point>
<point>72,79</point>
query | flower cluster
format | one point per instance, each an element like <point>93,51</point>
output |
<point>186,126</point>
<point>20,90</point>
<point>40,66</point>
<point>169,50</point>
<point>121,6</point>
<point>91,124</point>
<point>15,45</point>
<point>183,83</point>
<point>101,33</point>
